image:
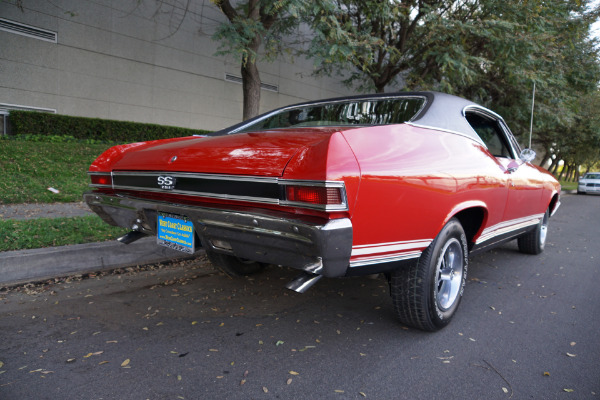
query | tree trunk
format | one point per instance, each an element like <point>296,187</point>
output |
<point>570,173</point>
<point>545,159</point>
<point>250,89</point>
<point>562,172</point>
<point>554,166</point>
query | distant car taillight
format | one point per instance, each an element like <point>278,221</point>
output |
<point>328,196</point>
<point>101,179</point>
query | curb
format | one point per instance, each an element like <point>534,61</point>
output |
<point>23,266</point>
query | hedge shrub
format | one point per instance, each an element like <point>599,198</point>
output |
<point>104,130</point>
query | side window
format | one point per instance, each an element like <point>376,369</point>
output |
<point>490,133</point>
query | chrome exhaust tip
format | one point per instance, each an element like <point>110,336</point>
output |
<point>131,237</point>
<point>303,282</point>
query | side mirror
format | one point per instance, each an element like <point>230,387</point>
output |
<point>527,155</point>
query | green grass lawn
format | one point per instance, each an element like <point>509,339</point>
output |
<point>568,185</point>
<point>49,232</point>
<point>30,168</point>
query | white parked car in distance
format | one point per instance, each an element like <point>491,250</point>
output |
<point>589,183</point>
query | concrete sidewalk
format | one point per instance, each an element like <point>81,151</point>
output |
<point>22,266</point>
<point>40,210</point>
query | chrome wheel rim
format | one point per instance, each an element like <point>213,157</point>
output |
<point>449,274</point>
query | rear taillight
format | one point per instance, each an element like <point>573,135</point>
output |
<point>328,196</point>
<point>314,195</point>
<point>101,179</point>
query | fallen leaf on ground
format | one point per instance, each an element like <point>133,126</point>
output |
<point>294,373</point>
<point>265,389</point>
<point>568,390</point>
<point>289,381</point>
<point>572,355</point>
<point>125,363</point>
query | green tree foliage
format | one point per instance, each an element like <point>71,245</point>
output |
<point>485,50</point>
<point>255,27</point>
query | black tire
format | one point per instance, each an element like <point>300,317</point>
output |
<point>533,242</point>
<point>426,295</point>
<point>234,266</point>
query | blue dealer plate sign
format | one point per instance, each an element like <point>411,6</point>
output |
<point>176,232</point>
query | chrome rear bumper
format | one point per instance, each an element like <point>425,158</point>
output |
<point>317,248</point>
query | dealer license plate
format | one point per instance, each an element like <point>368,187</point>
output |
<point>176,231</point>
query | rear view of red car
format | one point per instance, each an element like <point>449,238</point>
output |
<point>405,184</point>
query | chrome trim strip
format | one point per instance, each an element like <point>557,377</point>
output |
<point>297,182</point>
<point>481,109</point>
<point>389,247</point>
<point>322,207</point>
<point>448,131</point>
<point>235,178</point>
<point>385,259</point>
<point>506,227</point>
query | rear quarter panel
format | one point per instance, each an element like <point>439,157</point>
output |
<point>413,180</point>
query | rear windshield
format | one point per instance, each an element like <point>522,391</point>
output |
<point>353,112</point>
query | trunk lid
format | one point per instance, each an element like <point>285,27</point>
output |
<point>257,153</point>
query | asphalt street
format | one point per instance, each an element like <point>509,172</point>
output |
<point>527,328</point>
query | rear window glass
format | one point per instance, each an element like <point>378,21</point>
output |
<point>353,112</point>
<point>592,176</point>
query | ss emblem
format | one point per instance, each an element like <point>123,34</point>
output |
<point>166,182</point>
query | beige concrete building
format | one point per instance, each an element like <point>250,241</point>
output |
<point>136,61</point>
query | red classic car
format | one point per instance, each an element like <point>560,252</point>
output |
<point>405,184</point>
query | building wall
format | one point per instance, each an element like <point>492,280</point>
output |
<point>128,60</point>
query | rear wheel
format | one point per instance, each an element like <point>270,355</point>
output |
<point>533,242</point>
<point>234,266</point>
<point>427,294</point>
